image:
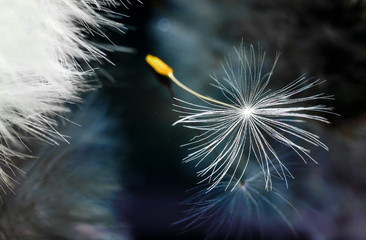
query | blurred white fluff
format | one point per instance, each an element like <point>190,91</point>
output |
<point>70,191</point>
<point>40,45</point>
<point>233,214</point>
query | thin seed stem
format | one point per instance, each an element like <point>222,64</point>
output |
<point>164,69</point>
<point>184,87</point>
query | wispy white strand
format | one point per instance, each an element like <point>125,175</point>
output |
<point>230,213</point>
<point>40,45</point>
<point>255,117</point>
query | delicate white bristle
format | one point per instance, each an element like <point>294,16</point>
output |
<point>41,45</point>
<point>254,117</point>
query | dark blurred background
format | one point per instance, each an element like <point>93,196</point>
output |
<point>324,39</point>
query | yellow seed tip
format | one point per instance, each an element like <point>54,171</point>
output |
<point>158,65</point>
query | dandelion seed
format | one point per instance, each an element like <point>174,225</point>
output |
<point>245,125</point>
<point>41,45</point>
<point>231,214</point>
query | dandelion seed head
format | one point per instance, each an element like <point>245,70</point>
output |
<point>232,214</point>
<point>42,46</point>
<point>247,112</point>
<point>246,126</point>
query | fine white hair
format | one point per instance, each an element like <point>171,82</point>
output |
<point>253,118</point>
<point>41,45</point>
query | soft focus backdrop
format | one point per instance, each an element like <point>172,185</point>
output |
<point>324,39</point>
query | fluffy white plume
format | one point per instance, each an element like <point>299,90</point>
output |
<point>70,191</point>
<point>253,118</point>
<point>40,45</point>
<point>232,214</point>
